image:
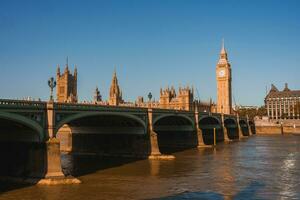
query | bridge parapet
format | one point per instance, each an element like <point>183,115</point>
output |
<point>9,103</point>
<point>218,115</point>
<point>95,107</point>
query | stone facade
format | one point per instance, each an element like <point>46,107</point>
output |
<point>184,100</point>
<point>283,104</point>
<point>66,85</point>
<point>223,75</point>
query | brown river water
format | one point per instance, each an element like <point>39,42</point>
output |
<point>259,167</point>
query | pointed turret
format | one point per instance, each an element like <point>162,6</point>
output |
<point>286,88</point>
<point>223,55</point>
<point>58,70</point>
<point>75,71</point>
<point>66,71</point>
<point>115,94</point>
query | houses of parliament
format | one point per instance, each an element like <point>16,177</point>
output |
<point>182,99</point>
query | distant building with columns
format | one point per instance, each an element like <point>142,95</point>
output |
<point>283,104</point>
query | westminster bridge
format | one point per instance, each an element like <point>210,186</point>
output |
<point>32,132</point>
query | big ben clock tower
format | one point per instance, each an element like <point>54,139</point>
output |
<point>223,72</point>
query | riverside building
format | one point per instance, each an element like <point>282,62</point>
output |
<point>283,104</point>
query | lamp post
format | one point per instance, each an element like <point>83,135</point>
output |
<point>51,84</point>
<point>149,97</point>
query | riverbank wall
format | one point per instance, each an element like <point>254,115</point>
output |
<point>266,127</point>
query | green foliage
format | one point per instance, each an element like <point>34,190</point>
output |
<point>252,112</point>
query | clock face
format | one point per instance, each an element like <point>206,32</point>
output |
<point>222,73</point>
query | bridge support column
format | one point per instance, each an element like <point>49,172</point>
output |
<point>226,138</point>
<point>201,143</point>
<point>53,166</point>
<point>241,136</point>
<point>53,169</point>
<point>154,148</point>
<point>154,144</point>
<point>50,120</point>
<point>249,127</point>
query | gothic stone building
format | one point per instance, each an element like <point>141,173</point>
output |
<point>66,91</point>
<point>223,76</point>
<point>115,93</point>
<point>181,101</point>
<point>282,104</point>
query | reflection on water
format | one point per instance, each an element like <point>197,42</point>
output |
<point>260,167</point>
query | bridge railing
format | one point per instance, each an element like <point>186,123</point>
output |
<point>100,107</point>
<point>90,106</point>
<point>21,103</point>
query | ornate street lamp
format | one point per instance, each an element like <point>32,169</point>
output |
<point>149,97</point>
<point>51,84</point>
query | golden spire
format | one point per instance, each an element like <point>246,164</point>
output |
<point>223,50</point>
<point>223,54</point>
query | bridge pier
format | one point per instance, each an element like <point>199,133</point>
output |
<point>53,165</point>
<point>249,127</point>
<point>53,168</point>
<point>201,143</point>
<point>155,153</point>
<point>154,149</point>
<point>53,161</point>
<point>241,136</point>
<point>226,138</point>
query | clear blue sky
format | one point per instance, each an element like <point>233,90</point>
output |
<point>153,44</point>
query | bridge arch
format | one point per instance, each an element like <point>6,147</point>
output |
<point>175,132</point>
<point>93,114</point>
<point>232,128</point>
<point>174,115</point>
<point>104,133</point>
<point>207,125</point>
<point>39,131</point>
<point>244,127</point>
<point>22,146</point>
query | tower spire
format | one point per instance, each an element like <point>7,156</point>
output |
<point>67,65</point>
<point>223,54</point>
<point>223,50</point>
<point>115,72</point>
<point>115,94</point>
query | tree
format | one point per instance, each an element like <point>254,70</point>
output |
<point>252,112</point>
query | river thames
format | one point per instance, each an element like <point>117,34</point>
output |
<point>259,167</point>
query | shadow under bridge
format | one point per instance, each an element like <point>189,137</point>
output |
<point>207,125</point>
<point>106,134</point>
<point>244,127</point>
<point>22,147</point>
<point>175,133</point>
<point>232,128</point>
